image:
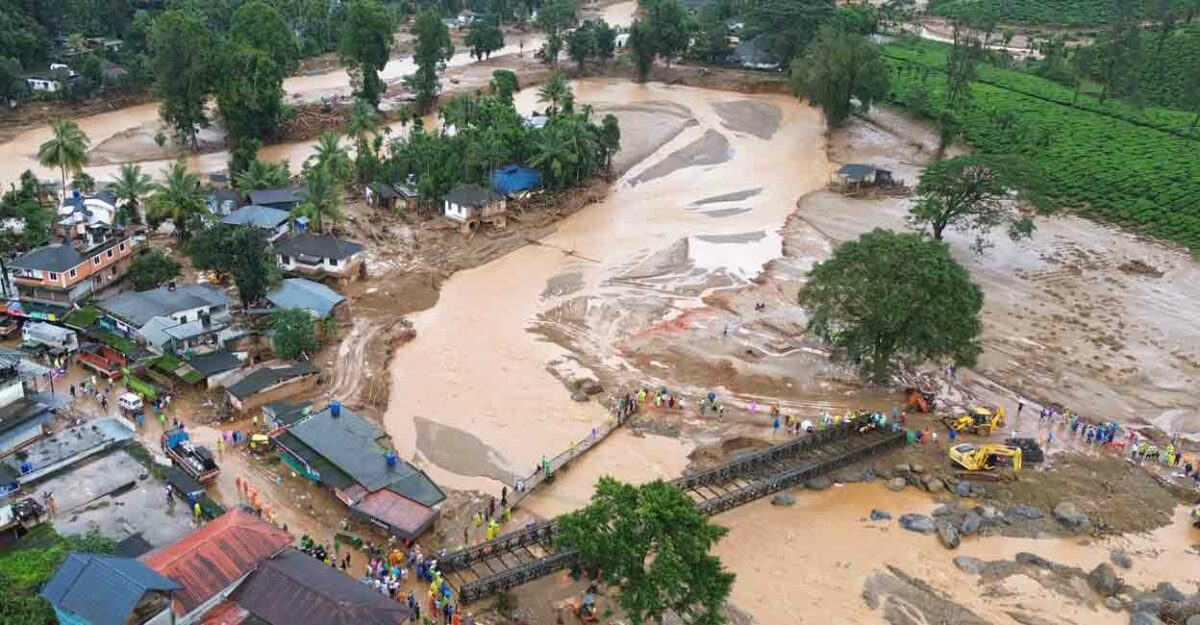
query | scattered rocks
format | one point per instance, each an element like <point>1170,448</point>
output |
<point>1181,611</point>
<point>916,468</point>
<point>1169,592</point>
<point>1144,618</point>
<point>897,484</point>
<point>901,468</point>
<point>1103,579</point>
<point>1120,558</point>
<point>880,515</point>
<point>969,564</point>
<point>1026,512</point>
<point>948,534</point>
<point>917,523</point>
<point>1070,516</point>
<point>1025,557</point>
<point>1114,604</point>
<point>1151,604</point>
<point>962,488</point>
<point>971,523</point>
<point>818,483</point>
<point>783,499</point>
<point>933,484</point>
<point>945,511</point>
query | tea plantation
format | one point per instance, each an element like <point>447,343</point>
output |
<point>1072,12</point>
<point>1136,169</point>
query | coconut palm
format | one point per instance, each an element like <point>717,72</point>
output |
<point>554,92</point>
<point>66,149</point>
<point>261,175</point>
<point>552,155</point>
<point>364,121</point>
<point>331,155</point>
<point>179,199</point>
<point>130,186</point>
<point>323,199</point>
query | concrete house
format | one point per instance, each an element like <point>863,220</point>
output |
<point>272,221</point>
<point>271,383</point>
<point>319,300</point>
<point>321,255</point>
<point>169,318</point>
<point>283,198</point>
<point>471,205</point>
<point>63,275</point>
<point>22,420</point>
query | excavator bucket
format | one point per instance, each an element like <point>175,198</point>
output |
<point>918,401</point>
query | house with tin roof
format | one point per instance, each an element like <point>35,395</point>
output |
<point>321,255</point>
<point>274,222</point>
<point>342,451</point>
<point>319,300</point>
<point>471,205</point>
<point>283,198</point>
<point>271,383</point>
<point>171,318</point>
<point>90,589</point>
<point>210,563</point>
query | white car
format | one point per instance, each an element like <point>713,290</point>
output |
<point>130,402</point>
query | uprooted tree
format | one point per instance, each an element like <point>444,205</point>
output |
<point>888,295</point>
<point>653,543</point>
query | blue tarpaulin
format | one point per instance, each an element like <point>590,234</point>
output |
<point>514,179</point>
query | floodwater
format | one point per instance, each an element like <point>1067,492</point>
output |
<point>809,563</point>
<point>476,366</point>
<point>20,153</point>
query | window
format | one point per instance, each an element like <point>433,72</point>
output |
<point>96,260</point>
<point>74,273</point>
<point>333,262</point>
<point>121,247</point>
<point>285,259</point>
<point>109,253</point>
<point>53,277</point>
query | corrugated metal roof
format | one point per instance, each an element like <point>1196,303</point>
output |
<point>407,517</point>
<point>102,590</point>
<point>268,377</point>
<point>208,560</point>
<point>295,589</point>
<point>314,297</point>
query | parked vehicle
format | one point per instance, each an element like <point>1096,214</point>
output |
<point>102,359</point>
<point>9,327</point>
<point>194,460</point>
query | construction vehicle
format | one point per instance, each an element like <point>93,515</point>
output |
<point>918,400</point>
<point>978,420</point>
<point>194,460</point>
<point>103,360</point>
<point>985,457</point>
<point>1031,451</point>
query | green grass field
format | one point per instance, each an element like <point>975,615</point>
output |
<point>1133,168</point>
<point>1072,12</point>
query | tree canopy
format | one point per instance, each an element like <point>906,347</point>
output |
<point>366,46</point>
<point>787,26</point>
<point>180,199</point>
<point>484,38</point>
<point>653,542</point>
<point>974,194</point>
<point>240,251</point>
<point>66,149</point>
<point>887,295</point>
<point>150,270</point>
<point>840,67</point>
<point>183,73</point>
<point>293,335</point>
<point>433,49</point>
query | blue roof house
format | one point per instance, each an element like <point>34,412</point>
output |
<point>512,179</point>
<point>89,589</point>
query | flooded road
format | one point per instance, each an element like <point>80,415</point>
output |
<point>617,267</point>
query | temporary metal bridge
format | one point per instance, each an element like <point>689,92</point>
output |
<point>515,558</point>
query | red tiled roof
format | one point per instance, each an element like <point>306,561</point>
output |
<point>407,517</point>
<point>208,560</point>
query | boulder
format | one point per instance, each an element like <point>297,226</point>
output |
<point>1025,557</point>
<point>945,511</point>
<point>590,387</point>
<point>1103,580</point>
<point>962,488</point>
<point>969,564</point>
<point>1070,516</point>
<point>579,396</point>
<point>1181,611</point>
<point>971,523</point>
<point>783,499</point>
<point>868,475</point>
<point>1169,592</point>
<point>1144,618</point>
<point>978,489</point>
<point>916,467</point>
<point>818,483</point>
<point>917,523</point>
<point>880,515</point>
<point>948,534</point>
<point>1120,558</point>
<point>897,484</point>
<point>850,476</point>
<point>1151,604</point>
<point>901,468</point>
<point>885,473</point>
<point>934,485</point>
<point>1026,512</point>
<point>1114,604</point>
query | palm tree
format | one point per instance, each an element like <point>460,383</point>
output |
<point>364,120</point>
<point>331,155</point>
<point>66,149</point>
<point>323,199</point>
<point>130,186</point>
<point>260,175</point>
<point>554,91</point>
<point>552,154</point>
<point>179,199</point>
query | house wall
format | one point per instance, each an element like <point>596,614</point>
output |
<point>11,391</point>
<point>345,267</point>
<point>284,390</point>
<point>495,208</point>
<point>457,212</point>
<point>94,272</point>
<point>38,84</point>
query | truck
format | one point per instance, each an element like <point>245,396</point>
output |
<point>195,460</point>
<point>102,359</point>
<point>56,339</point>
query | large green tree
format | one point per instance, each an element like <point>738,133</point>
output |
<point>331,155</point>
<point>433,49</point>
<point>259,25</point>
<point>180,199</point>
<point>240,251</point>
<point>153,269</point>
<point>366,46</point>
<point>66,149</point>
<point>484,38</point>
<point>131,186</point>
<point>886,296</point>
<point>554,92</point>
<point>671,27</point>
<point>653,542</point>
<point>183,70</point>
<point>642,46</point>
<point>838,67</point>
<point>786,26</point>
<point>555,18</point>
<point>292,333</point>
<point>975,194</point>
<point>262,175</point>
<point>249,87</point>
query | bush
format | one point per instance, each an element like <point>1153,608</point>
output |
<point>293,333</point>
<point>153,269</point>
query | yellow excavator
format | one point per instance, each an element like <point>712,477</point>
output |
<point>985,457</point>
<point>978,420</point>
